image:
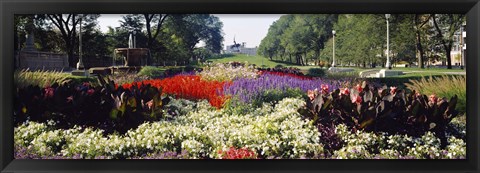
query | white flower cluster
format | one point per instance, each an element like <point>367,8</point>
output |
<point>227,72</point>
<point>88,143</point>
<point>26,133</point>
<point>426,146</point>
<point>48,143</point>
<point>456,148</point>
<point>279,132</point>
<point>367,145</point>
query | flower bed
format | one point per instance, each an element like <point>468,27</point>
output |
<point>249,89</point>
<point>188,87</point>
<point>211,115</point>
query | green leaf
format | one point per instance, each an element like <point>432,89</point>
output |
<point>113,114</point>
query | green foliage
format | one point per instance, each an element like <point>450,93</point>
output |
<point>151,72</point>
<point>382,110</point>
<point>43,78</point>
<point>274,96</point>
<point>316,72</point>
<point>106,106</point>
<point>444,86</point>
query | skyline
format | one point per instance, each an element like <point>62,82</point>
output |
<point>249,28</point>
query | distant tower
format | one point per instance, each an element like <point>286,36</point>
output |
<point>235,46</point>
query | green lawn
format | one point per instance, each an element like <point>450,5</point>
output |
<point>258,60</point>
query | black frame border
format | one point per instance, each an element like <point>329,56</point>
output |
<point>10,7</point>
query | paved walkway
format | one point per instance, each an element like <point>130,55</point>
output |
<point>453,73</point>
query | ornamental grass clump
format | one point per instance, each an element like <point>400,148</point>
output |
<point>42,78</point>
<point>445,86</point>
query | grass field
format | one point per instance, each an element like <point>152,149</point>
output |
<point>260,60</point>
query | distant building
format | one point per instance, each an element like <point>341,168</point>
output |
<point>458,48</point>
<point>241,49</point>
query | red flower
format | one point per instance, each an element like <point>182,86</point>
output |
<point>311,94</point>
<point>357,99</point>
<point>359,88</point>
<point>90,92</point>
<point>345,91</point>
<point>189,87</point>
<point>433,98</point>
<point>242,153</point>
<point>49,91</point>
<point>324,89</point>
<point>393,90</point>
<point>69,99</point>
<point>150,104</point>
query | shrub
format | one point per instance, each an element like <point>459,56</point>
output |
<point>42,78</point>
<point>105,107</point>
<point>151,72</point>
<point>316,72</point>
<point>445,86</point>
<point>381,110</point>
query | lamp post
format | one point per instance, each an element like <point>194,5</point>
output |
<point>387,16</point>
<point>80,59</point>
<point>333,63</point>
<point>134,39</point>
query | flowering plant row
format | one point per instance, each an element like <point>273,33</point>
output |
<point>248,90</point>
<point>175,140</point>
<point>188,87</point>
<point>280,73</point>
<point>268,132</point>
<point>228,72</point>
<point>105,107</point>
<point>382,110</point>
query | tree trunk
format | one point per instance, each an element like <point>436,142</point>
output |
<point>449,57</point>
<point>420,50</point>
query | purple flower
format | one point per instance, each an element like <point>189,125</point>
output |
<point>248,89</point>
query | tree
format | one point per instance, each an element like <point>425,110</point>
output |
<point>190,29</point>
<point>67,25</point>
<point>446,26</point>
<point>403,38</point>
<point>420,22</point>
<point>157,21</point>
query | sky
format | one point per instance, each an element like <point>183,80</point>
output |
<point>249,28</point>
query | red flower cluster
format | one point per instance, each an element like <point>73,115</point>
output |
<point>285,74</point>
<point>189,87</point>
<point>242,153</point>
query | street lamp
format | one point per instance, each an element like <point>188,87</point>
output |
<point>80,59</point>
<point>134,39</point>
<point>387,16</point>
<point>333,63</point>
